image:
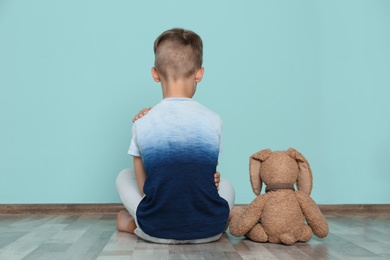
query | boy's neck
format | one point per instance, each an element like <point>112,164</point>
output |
<point>178,89</point>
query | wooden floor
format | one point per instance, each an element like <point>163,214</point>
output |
<point>366,236</point>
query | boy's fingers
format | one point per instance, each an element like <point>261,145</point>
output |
<point>141,113</point>
<point>145,110</point>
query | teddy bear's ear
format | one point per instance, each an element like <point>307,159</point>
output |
<point>254,169</point>
<point>305,178</point>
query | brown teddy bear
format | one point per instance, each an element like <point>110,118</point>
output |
<point>279,215</point>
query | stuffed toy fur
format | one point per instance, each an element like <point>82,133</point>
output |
<point>279,215</point>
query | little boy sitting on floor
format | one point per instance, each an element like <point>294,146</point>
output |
<point>171,196</point>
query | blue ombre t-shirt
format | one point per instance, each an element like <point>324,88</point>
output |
<point>179,141</point>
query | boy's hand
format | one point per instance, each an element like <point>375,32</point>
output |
<point>141,113</point>
<point>217,179</point>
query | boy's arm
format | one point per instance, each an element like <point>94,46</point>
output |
<point>140,173</point>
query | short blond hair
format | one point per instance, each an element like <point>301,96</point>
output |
<point>178,53</point>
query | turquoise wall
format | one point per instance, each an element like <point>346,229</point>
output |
<point>314,75</point>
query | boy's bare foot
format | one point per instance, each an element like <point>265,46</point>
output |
<point>125,222</point>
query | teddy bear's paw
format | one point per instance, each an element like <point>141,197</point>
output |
<point>257,234</point>
<point>321,231</point>
<point>236,227</point>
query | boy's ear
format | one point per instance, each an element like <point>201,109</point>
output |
<point>155,75</point>
<point>199,75</point>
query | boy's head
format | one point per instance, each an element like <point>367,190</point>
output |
<point>178,54</point>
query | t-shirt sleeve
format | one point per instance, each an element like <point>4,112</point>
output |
<point>133,149</point>
<point>220,135</point>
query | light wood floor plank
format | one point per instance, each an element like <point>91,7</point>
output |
<point>26,244</point>
<point>94,236</point>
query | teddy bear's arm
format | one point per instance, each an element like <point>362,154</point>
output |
<point>247,218</point>
<point>314,217</point>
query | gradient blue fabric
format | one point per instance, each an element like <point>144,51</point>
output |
<point>179,141</point>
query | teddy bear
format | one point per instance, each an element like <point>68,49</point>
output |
<point>282,215</point>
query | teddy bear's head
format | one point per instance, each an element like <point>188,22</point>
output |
<point>280,170</point>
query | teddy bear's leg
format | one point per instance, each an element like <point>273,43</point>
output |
<point>306,233</point>
<point>287,239</point>
<point>257,234</point>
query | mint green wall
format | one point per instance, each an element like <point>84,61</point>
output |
<point>314,75</point>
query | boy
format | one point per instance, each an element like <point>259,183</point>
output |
<point>171,196</point>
